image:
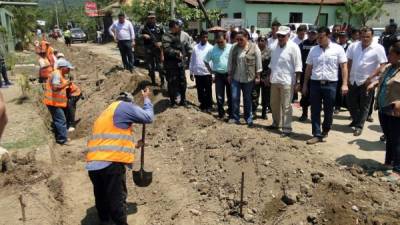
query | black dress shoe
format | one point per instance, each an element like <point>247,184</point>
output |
<point>382,138</point>
<point>357,132</point>
<point>303,118</point>
<point>325,134</point>
<point>272,127</point>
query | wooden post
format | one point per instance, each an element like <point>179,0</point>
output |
<point>319,13</point>
<point>23,205</point>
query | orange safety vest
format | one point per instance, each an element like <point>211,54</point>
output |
<point>46,71</point>
<point>56,98</point>
<point>108,142</point>
<point>74,90</point>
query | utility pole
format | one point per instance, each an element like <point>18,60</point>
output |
<point>319,13</point>
<point>55,6</point>
<point>173,6</point>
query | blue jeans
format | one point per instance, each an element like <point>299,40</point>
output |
<point>322,94</point>
<point>59,123</point>
<point>247,89</point>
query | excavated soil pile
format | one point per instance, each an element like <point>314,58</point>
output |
<point>198,160</point>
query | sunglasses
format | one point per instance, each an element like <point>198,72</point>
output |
<point>281,36</point>
<point>261,40</point>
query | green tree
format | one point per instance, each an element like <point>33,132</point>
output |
<point>24,24</point>
<point>362,10</point>
<point>138,11</point>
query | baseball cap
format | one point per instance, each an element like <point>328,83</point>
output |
<point>151,14</point>
<point>60,55</point>
<point>125,96</point>
<point>64,63</point>
<point>283,30</point>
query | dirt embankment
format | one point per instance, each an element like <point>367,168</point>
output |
<point>197,163</point>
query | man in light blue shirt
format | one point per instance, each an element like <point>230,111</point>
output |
<point>218,56</point>
<point>123,33</point>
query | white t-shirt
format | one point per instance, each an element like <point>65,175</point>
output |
<point>364,61</point>
<point>197,65</point>
<point>272,42</point>
<point>285,62</point>
<point>297,40</point>
<point>325,62</point>
<point>253,36</point>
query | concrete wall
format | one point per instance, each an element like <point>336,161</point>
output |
<point>393,9</point>
<point>279,11</point>
<point>8,41</point>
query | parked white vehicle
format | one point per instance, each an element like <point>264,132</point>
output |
<point>378,31</point>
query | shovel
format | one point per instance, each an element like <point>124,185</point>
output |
<point>142,178</point>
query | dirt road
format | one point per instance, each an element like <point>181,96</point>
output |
<point>197,162</point>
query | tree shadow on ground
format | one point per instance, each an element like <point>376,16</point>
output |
<point>92,218</point>
<point>375,127</point>
<point>366,145</point>
<point>369,165</point>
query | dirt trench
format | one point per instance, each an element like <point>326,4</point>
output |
<point>197,162</point>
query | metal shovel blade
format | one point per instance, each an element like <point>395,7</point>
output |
<point>142,178</point>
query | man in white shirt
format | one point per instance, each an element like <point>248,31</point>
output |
<point>199,71</point>
<point>300,34</point>
<point>364,58</point>
<point>273,40</point>
<point>285,67</point>
<point>322,68</point>
<point>253,34</point>
<point>123,33</point>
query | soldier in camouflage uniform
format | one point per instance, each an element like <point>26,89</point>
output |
<point>263,87</point>
<point>177,46</point>
<point>152,37</point>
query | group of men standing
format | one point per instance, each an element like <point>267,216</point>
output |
<point>322,66</point>
<point>166,52</point>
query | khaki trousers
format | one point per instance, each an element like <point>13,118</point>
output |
<point>281,98</point>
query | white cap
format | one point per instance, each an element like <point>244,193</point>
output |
<point>60,55</point>
<point>283,30</point>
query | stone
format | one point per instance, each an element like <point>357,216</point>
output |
<point>267,163</point>
<point>355,208</point>
<point>248,218</point>
<point>289,198</point>
<point>304,189</point>
<point>6,163</point>
<point>312,218</point>
<point>83,77</point>
<point>317,177</point>
<point>195,212</point>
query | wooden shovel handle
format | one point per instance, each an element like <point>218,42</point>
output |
<point>142,148</point>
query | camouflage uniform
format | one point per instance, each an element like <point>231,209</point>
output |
<point>175,45</point>
<point>262,87</point>
<point>153,53</point>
